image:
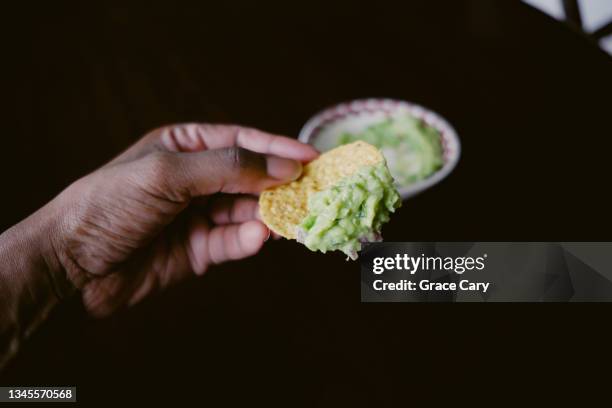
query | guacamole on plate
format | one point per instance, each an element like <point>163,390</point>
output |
<point>412,147</point>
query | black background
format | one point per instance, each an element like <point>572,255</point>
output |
<point>529,98</point>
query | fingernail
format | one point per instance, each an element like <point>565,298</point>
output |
<point>268,237</point>
<point>283,169</point>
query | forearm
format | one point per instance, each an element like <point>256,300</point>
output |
<point>29,282</point>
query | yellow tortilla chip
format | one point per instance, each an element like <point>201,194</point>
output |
<point>284,207</point>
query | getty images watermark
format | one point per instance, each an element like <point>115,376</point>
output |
<point>486,272</point>
<point>422,263</point>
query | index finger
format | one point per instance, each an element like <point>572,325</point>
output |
<point>195,137</point>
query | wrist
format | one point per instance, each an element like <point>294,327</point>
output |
<point>31,282</point>
<point>29,263</point>
<point>47,238</point>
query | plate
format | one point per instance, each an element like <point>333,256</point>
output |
<point>324,129</point>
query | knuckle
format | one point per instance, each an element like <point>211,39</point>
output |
<point>159,166</point>
<point>155,172</point>
<point>236,157</point>
<point>165,177</point>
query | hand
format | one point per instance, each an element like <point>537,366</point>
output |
<point>147,219</point>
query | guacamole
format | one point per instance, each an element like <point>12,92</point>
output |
<point>350,212</point>
<point>412,148</point>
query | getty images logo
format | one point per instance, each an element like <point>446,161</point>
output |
<point>412,264</point>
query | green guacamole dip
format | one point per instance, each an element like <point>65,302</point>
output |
<point>351,212</point>
<point>412,148</point>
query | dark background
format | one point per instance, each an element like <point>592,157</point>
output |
<point>529,97</point>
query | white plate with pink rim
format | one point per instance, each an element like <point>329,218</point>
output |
<point>325,128</point>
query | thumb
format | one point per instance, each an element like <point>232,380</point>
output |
<point>227,170</point>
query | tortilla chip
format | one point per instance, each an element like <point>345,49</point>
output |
<point>284,207</point>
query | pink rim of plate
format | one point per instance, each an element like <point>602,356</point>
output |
<point>362,107</point>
